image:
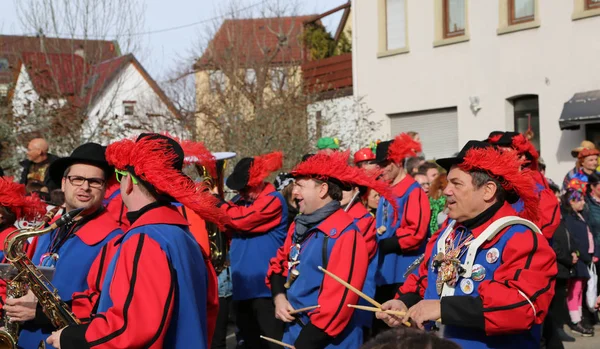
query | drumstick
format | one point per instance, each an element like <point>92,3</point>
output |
<point>351,288</point>
<point>296,311</point>
<point>277,342</point>
<point>375,310</point>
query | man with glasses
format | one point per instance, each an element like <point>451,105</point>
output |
<point>70,249</point>
<point>153,283</point>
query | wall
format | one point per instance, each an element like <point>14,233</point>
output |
<point>23,93</point>
<point>129,85</point>
<point>553,61</point>
<point>346,118</point>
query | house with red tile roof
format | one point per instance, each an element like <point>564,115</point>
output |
<point>111,99</point>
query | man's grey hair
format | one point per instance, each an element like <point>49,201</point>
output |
<point>480,178</point>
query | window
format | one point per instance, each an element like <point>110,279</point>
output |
<point>454,18</point>
<point>395,22</point>
<point>128,107</point>
<point>585,9</point>
<point>592,4</point>
<point>3,64</point>
<point>527,118</point>
<point>279,81</point>
<point>216,80</point>
<point>392,27</point>
<point>521,11</point>
<point>250,77</point>
<point>517,15</point>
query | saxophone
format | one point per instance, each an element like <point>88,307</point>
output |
<point>30,277</point>
<point>218,242</point>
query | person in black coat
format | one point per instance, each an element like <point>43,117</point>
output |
<point>35,167</point>
<point>566,257</point>
<point>573,203</point>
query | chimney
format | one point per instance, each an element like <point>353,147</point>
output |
<point>79,52</point>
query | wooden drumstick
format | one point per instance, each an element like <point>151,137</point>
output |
<point>351,288</point>
<point>376,310</point>
<point>277,342</point>
<point>297,311</point>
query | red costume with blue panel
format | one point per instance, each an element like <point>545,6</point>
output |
<point>71,250</point>
<point>403,239</point>
<point>337,245</point>
<point>488,309</point>
<point>157,253</point>
<point>259,229</point>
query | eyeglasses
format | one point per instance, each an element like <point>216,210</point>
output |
<point>120,174</point>
<point>77,181</point>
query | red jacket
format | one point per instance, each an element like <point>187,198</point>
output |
<point>85,303</point>
<point>549,206</point>
<point>348,259</point>
<point>365,221</point>
<point>528,265</point>
<point>415,219</point>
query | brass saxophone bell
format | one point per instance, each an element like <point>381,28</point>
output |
<point>293,276</point>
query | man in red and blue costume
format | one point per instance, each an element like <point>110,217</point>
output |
<point>258,228</point>
<point>365,221</point>
<point>323,235</point>
<point>401,233</point>
<point>487,275</point>
<point>549,208</point>
<point>150,286</point>
<point>71,249</point>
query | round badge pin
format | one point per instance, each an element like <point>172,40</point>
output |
<point>467,286</point>
<point>492,255</point>
<point>478,272</point>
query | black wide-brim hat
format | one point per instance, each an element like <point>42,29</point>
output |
<point>238,179</point>
<point>88,153</point>
<point>507,139</point>
<point>447,163</point>
<point>381,153</point>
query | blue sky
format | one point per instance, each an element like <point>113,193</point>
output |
<point>164,50</point>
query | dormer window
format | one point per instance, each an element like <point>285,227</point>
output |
<point>128,107</point>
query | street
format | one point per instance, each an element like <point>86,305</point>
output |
<point>584,343</point>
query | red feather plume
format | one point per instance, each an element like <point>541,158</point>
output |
<point>505,166</point>
<point>263,166</point>
<point>154,164</point>
<point>522,145</point>
<point>324,166</point>
<point>403,147</point>
<point>13,196</point>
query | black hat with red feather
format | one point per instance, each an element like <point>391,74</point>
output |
<point>156,161</point>
<point>504,166</point>
<point>521,144</point>
<point>251,172</point>
<point>398,149</point>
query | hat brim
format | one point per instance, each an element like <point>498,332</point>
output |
<point>57,168</point>
<point>447,163</point>
<point>236,181</point>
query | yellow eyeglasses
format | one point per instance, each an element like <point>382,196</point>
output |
<point>120,174</point>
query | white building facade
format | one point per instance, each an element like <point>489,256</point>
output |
<point>455,70</point>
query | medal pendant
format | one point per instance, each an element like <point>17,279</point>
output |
<point>439,284</point>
